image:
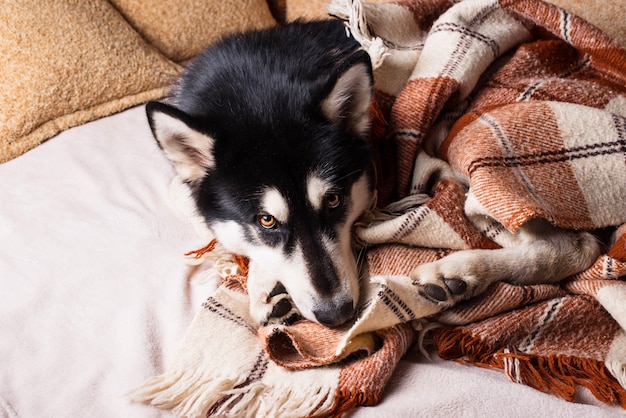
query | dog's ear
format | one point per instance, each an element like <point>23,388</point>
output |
<point>187,147</point>
<point>347,106</point>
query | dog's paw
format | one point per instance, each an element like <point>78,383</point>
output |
<point>444,282</point>
<point>275,308</point>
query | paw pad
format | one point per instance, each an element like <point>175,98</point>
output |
<point>432,291</point>
<point>444,291</point>
<point>283,311</point>
<point>456,286</point>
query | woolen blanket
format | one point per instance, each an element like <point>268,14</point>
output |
<point>508,92</point>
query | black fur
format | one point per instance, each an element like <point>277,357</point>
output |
<point>258,95</point>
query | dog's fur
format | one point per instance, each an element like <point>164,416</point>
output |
<point>269,130</point>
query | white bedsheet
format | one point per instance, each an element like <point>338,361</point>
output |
<point>95,295</point>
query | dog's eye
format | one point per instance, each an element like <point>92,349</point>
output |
<point>267,221</point>
<point>333,200</point>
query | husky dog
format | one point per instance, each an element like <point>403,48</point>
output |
<point>269,129</point>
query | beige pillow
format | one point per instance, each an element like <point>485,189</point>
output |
<point>65,62</point>
<point>290,10</point>
<point>181,29</point>
<point>608,15</point>
<point>306,9</point>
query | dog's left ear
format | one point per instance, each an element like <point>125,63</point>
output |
<point>347,106</point>
<point>185,144</point>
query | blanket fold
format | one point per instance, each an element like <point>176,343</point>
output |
<point>526,100</point>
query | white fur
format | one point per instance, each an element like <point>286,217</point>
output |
<point>232,236</point>
<point>190,151</point>
<point>348,103</point>
<point>316,190</point>
<point>292,271</point>
<point>537,252</point>
<point>541,253</point>
<point>275,204</point>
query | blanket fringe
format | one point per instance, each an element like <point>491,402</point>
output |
<point>556,375</point>
<point>255,400</point>
<point>186,394</point>
<point>192,395</point>
<point>225,263</point>
<point>352,13</point>
<point>618,370</point>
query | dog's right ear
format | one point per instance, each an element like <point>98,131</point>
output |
<point>186,146</point>
<point>347,105</point>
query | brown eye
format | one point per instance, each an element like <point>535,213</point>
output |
<point>267,221</point>
<point>333,200</point>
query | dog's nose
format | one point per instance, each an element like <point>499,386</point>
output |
<point>334,314</point>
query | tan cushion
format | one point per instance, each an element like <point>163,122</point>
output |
<point>65,62</point>
<point>291,10</point>
<point>608,15</point>
<point>181,29</point>
<point>306,9</point>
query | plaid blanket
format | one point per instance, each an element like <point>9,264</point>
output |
<point>528,101</point>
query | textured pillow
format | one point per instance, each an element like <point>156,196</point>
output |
<point>306,9</point>
<point>180,29</point>
<point>608,15</point>
<point>65,62</point>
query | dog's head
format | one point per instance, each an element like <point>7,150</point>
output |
<point>282,185</point>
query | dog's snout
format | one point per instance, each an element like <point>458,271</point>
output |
<point>334,314</point>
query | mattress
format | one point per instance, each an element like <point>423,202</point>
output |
<point>96,294</point>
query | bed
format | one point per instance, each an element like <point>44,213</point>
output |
<point>97,294</point>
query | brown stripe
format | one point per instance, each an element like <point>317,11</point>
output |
<point>214,306</point>
<point>395,304</point>
<point>526,162</point>
<point>425,12</point>
<point>618,249</point>
<point>468,34</point>
<point>412,221</point>
<point>256,374</point>
<point>448,203</point>
<point>400,260</point>
<point>606,52</point>
<point>362,382</point>
<point>413,113</point>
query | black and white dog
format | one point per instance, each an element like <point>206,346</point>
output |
<point>269,129</point>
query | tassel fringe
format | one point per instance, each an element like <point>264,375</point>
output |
<point>186,394</point>
<point>192,395</point>
<point>352,13</point>
<point>556,375</point>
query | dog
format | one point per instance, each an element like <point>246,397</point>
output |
<point>269,129</point>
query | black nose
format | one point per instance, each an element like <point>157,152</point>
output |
<point>334,314</point>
